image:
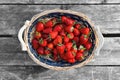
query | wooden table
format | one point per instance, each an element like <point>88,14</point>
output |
<point>17,65</point>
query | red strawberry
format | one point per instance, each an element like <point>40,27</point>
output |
<point>68,46</point>
<point>55,57</point>
<point>47,52</point>
<point>40,50</point>
<point>74,49</point>
<point>77,26</point>
<point>37,35</point>
<point>66,39</point>
<point>58,28</point>
<point>35,44</point>
<point>55,51</point>
<point>50,23</point>
<point>50,45</point>
<point>69,29</point>
<point>69,55</point>
<point>70,35</point>
<point>53,34</point>
<point>39,26</point>
<point>60,48</point>
<point>85,31</point>
<point>44,36</point>
<point>83,39</point>
<point>88,45</point>
<point>62,33</point>
<point>63,19</point>
<point>42,42</point>
<point>57,40</point>
<point>71,60</point>
<point>76,32</point>
<point>76,39</point>
<point>81,48</point>
<point>79,56</point>
<point>47,30</point>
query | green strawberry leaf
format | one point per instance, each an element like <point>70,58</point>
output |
<point>41,41</point>
<point>81,47</point>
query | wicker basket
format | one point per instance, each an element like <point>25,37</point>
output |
<point>99,40</point>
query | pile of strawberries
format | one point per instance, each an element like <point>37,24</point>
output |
<point>61,39</point>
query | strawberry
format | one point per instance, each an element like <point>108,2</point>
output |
<point>57,40</point>
<point>44,36</point>
<point>60,48</point>
<point>79,56</point>
<point>66,39</point>
<point>47,52</point>
<point>39,26</point>
<point>55,51</point>
<point>71,60</point>
<point>81,48</point>
<point>50,23</point>
<point>68,46</point>
<point>77,26</point>
<point>76,32</point>
<point>58,28</point>
<point>40,50</point>
<point>43,42</point>
<point>62,33</point>
<point>83,39</point>
<point>70,35</point>
<point>76,39</point>
<point>63,19</point>
<point>69,29</point>
<point>55,57</point>
<point>53,34</point>
<point>35,43</point>
<point>88,45</point>
<point>74,49</point>
<point>85,31</point>
<point>47,30</point>
<point>37,35</point>
<point>69,55</point>
<point>50,45</point>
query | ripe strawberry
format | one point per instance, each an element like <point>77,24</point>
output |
<point>79,56</point>
<point>88,45</point>
<point>35,43</point>
<point>71,60</point>
<point>66,39</point>
<point>60,48</point>
<point>58,28</point>
<point>81,48</point>
<point>57,40</point>
<point>69,29</point>
<point>40,50</point>
<point>43,42</point>
<point>76,32</point>
<point>77,26</point>
<point>47,30</point>
<point>83,39</point>
<point>74,48</point>
<point>63,19</point>
<point>50,23</point>
<point>62,33</point>
<point>37,35</point>
<point>55,51</point>
<point>55,57</point>
<point>50,45</point>
<point>69,55</point>
<point>39,26</point>
<point>44,36</point>
<point>85,31</point>
<point>53,34</point>
<point>70,35</point>
<point>47,52</point>
<point>76,39</point>
<point>68,46</point>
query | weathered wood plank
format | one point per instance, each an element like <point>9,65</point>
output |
<point>10,53</point>
<point>104,16</point>
<point>112,1</point>
<point>50,1</point>
<point>40,73</point>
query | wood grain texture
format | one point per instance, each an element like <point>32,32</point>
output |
<point>11,54</point>
<point>104,16</point>
<point>50,1</point>
<point>112,1</point>
<point>40,73</point>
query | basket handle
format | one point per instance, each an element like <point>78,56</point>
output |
<point>100,39</point>
<point>20,33</point>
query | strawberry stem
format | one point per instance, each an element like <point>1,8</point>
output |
<point>81,47</point>
<point>59,44</point>
<point>41,41</point>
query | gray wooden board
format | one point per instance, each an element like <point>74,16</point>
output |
<point>40,73</point>
<point>11,54</point>
<point>104,16</point>
<point>50,1</point>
